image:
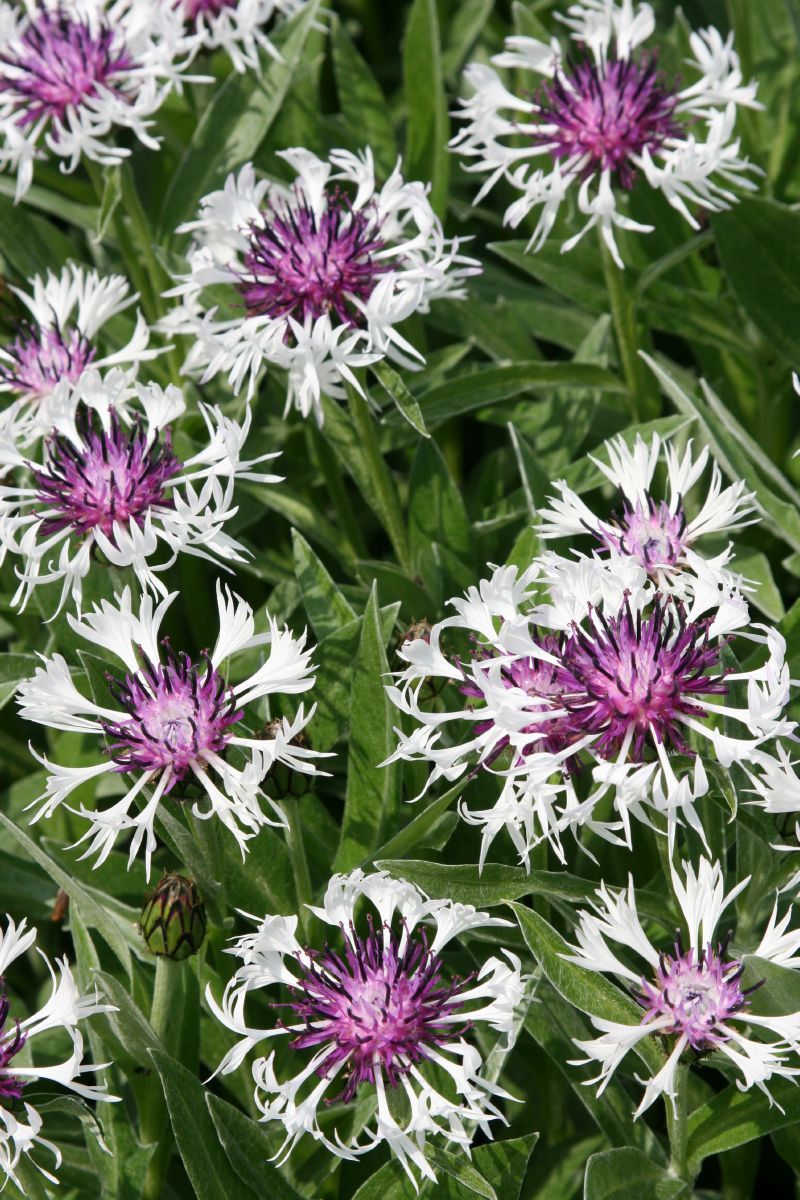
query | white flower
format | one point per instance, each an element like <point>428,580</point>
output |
<point>60,339</point>
<point>325,272</point>
<point>691,994</point>
<point>239,27</point>
<point>175,727</point>
<point>76,75</point>
<point>381,1017</point>
<point>110,484</point>
<point>65,1008</point>
<point>582,664</point>
<point>657,533</point>
<point>599,117</point>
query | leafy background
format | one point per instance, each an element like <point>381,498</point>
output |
<point>522,382</point>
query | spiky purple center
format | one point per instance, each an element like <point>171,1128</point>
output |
<point>42,357</point>
<point>10,1045</point>
<point>180,715</point>
<point>632,678</point>
<point>606,115</point>
<point>698,992</point>
<point>381,1006</point>
<point>61,62</point>
<point>112,475</point>
<point>654,536</point>
<point>300,264</point>
<point>194,10</point>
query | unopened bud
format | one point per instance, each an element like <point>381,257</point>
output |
<point>174,918</point>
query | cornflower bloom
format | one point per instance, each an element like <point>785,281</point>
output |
<point>179,729</point>
<point>239,27</point>
<point>570,691</point>
<point>380,1017</point>
<point>319,275</point>
<point>75,73</point>
<point>60,339</point>
<point>692,993</point>
<point>602,116</point>
<point>109,486</point>
<point>21,1123</point>
<point>656,533</point>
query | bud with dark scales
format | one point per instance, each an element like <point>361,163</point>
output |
<point>174,918</point>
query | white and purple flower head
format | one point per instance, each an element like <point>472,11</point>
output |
<point>175,727</point>
<point>580,679</point>
<point>691,994</point>
<point>659,534</point>
<point>381,1016</point>
<point>61,338</point>
<point>75,73</point>
<point>65,1008</point>
<point>320,275</point>
<point>603,115</point>
<point>109,486</point>
<point>241,28</point>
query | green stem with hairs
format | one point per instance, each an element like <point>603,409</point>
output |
<point>623,316</point>
<point>297,856</point>
<point>678,1124</point>
<point>387,502</point>
<point>154,1125</point>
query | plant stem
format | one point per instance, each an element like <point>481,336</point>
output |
<point>677,1124</point>
<point>154,1124</point>
<point>337,492</point>
<point>297,857</point>
<point>622,314</point>
<point>386,500</point>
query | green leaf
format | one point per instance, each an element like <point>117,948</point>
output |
<point>401,397</point>
<point>120,939</point>
<point>590,992</point>
<point>512,381</point>
<point>29,244</point>
<point>421,826</point>
<point>195,1135</point>
<point>363,104</point>
<point>235,123</point>
<point>112,195</point>
<point>759,244</point>
<point>468,20</point>
<point>372,798</point>
<point>469,1181</point>
<point>577,275</point>
<point>733,1118</point>
<point>499,1165</point>
<point>128,1023</point>
<point>436,511</point>
<point>628,1174</point>
<point>326,606</point>
<point>13,669</point>
<point>428,131</point>
<point>248,1150</point>
<point>496,884</point>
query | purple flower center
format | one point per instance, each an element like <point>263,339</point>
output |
<point>10,1045</point>
<point>632,677</point>
<point>303,265</point>
<point>60,63</point>
<point>116,475</point>
<point>381,1006</point>
<point>654,537</point>
<point>41,358</point>
<point>194,9</point>
<point>697,993</point>
<point>606,115</point>
<point>180,714</point>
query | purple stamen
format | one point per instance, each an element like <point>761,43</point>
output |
<point>194,9</point>
<point>180,715</point>
<point>61,63</point>
<point>381,1006</point>
<point>655,536</point>
<point>303,265</point>
<point>10,1086</point>
<point>632,677</point>
<point>698,992</point>
<point>606,115</point>
<point>42,357</point>
<point>114,476</point>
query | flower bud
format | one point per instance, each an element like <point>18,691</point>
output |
<point>174,918</point>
